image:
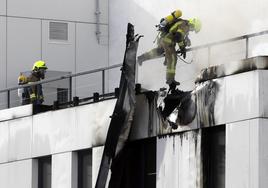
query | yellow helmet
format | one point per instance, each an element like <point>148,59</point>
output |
<point>177,13</point>
<point>22,79</point>
<point>39,65</point>
<point>196,24</point>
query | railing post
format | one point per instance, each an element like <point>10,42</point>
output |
<point>96,97</point>
<point>8,99</point>
<point>103,82</point>
<point>70,88</point>
<point>246,47</point>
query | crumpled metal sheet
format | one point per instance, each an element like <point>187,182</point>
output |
<point>124,109</point>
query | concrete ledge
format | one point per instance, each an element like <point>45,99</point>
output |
<point>16,112</point>
<point>236,67</point>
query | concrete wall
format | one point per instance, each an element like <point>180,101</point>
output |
<point>3,7</point>
<point>246,154</point>
<point>17,174</point>
<point>3,65</point>
<point>64,170</point>
<point>79,10</point>
<point>55,132</point>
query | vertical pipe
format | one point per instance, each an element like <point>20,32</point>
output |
<point>70,88</point>
<point>209,54</point>
<point>246,47</point>
<point>136,73</point>
<point>103,82</point>
<point>97,13</point>
<point>8,99</point>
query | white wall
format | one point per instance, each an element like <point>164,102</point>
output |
<point>2,7</point>
<point>238,97</point>
<point>246,154</point>
<point>90,55</point>
<point>71,129</point>
<point>23,48</point>
<point>23,45</point>
<point>58,55</point>
<point>20,138</point>
<point>74,10</point>
<point>4,139</point>
<point>17,174</point>
<point>55,131</point>
<point>2,50</point>
<point>64,170</point>
<point>2,57</point>
<point>96,161</point>
<point>263,153</point>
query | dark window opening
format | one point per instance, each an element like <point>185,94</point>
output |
<point>44,172</point>
<point>135,166</point>
<point>85,168</point>
<point>213,153</point>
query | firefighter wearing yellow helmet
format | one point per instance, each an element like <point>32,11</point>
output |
<point>37,74</point>
<point>173,30</point>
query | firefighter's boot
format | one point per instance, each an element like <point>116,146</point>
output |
<point>141,59</point>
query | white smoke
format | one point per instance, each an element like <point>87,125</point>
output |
<point>221,20</point>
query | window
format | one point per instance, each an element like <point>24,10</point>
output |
<point>85,169</point>
<point>44,172</point>
<point>150,163</point>
<point>136,165</point>
<point>213,151</point>
<point>58,31</point>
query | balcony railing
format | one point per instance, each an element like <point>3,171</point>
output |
<point>104,69</point>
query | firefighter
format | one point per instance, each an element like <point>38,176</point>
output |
<point>173,30</point>
<point>38,73</point>
<point>23,92</point>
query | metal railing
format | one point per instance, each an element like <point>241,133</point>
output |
<point>68,76</point>
<point>243,37</point>
<point>102,70</point>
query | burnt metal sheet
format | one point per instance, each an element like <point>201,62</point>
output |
<point>124,109</point>
<point>245,65</point>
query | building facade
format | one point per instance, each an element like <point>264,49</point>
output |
<point>223,146</point>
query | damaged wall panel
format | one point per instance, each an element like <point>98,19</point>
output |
<point>223,100</point>
<point>179,160</point>
<point>146,119</point>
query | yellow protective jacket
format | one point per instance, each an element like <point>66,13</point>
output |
<point>178,33</point>
<point>35,92</point>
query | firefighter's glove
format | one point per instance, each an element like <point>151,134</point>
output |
<point>187,41</point>
<point>41,99</point>
<point>32,97</point>
<point>183,52</point>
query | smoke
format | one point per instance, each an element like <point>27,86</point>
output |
<point>221,20</point>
